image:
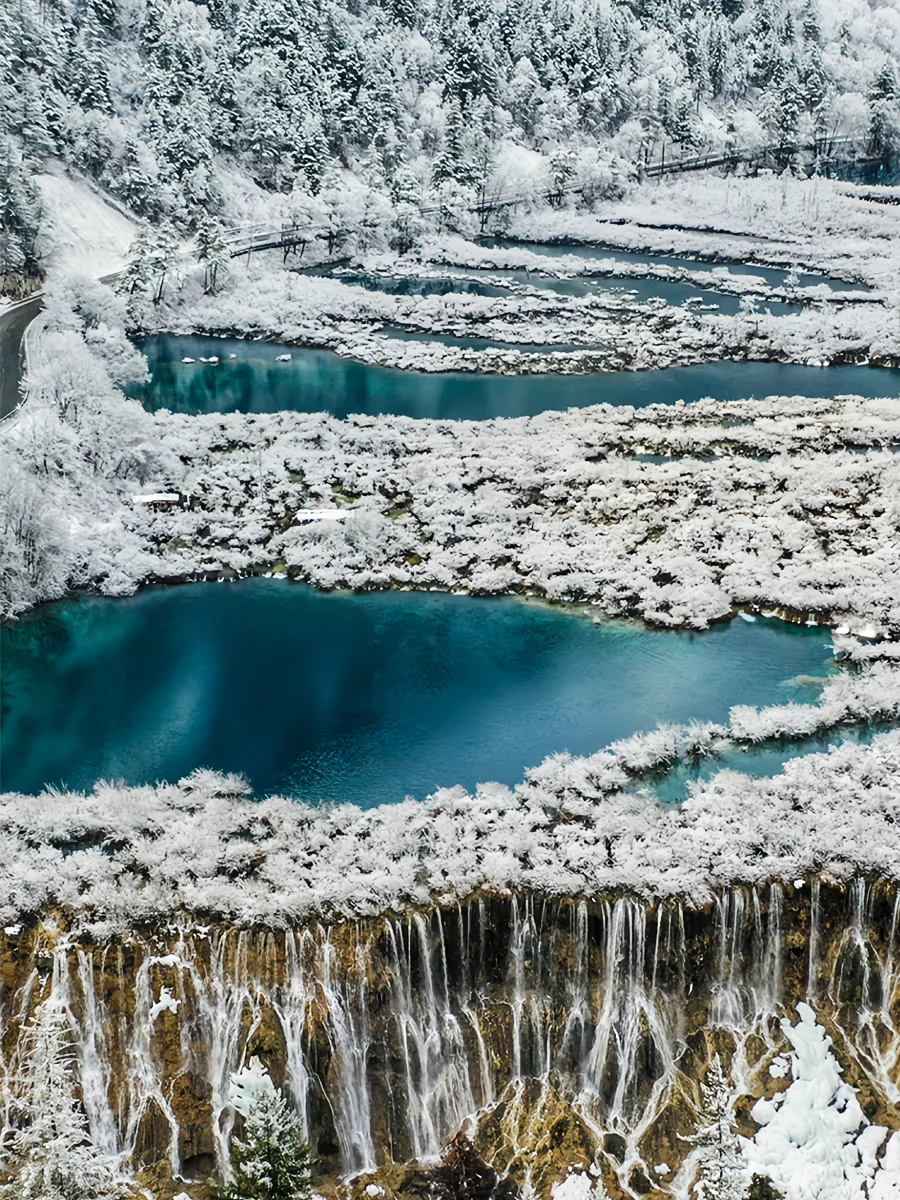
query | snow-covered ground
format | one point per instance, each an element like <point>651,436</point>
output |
<point>264,297</point>
<point>819,224</point>
<point>774,510</point>
<point>83,230</point>
<point>815,1142</point>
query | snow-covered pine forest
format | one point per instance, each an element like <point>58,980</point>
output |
<point>239,109</point>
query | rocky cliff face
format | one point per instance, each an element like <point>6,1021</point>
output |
<point>545,1032</point>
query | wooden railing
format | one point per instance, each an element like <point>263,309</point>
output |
<point>294,238</point>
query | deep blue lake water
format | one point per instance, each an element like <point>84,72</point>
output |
<point>364,698</point>
<point>319,380</point>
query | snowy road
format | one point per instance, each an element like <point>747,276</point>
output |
<point>13,324</point>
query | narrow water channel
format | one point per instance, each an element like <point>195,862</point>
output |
<point>320,380</point>
<point>639,289</point>
<point>363,698</point>
<point>774,276</point>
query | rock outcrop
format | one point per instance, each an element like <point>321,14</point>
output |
<point>518,1036</point>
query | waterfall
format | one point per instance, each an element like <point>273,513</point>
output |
<point>388,1035</point>
<point>93,1059</point>
<point>292,1003</point>
<point>863,984</point>
<point>812,983</point>
<point>348,1031</point>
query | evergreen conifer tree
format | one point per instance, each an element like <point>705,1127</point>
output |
<point>884,105</point>
<point>211,250</point>
<point>20,215</point>
<point>723,1171</point>
<point>271,1161</point>
<point>51,1154</point>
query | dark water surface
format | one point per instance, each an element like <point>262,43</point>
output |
<point>885,173</point>
<point>774,276</point>
<point>639,289</point>
<point>319,380</point>
<point>364,698</point>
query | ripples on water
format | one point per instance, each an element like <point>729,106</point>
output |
<point>359,697</point>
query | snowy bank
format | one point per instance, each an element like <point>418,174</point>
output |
<point>615,331</point>
<point>122,856</point>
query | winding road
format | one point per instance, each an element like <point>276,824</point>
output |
<point>13,323</point>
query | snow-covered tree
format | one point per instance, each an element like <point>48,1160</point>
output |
<point>722,1171</point>
<point>20,214</point>
<point>50,1155</point>
<point>212,251</point>
<point>884,106</point>
<point>815,1142</point>
<point>271,1161</point>
<point>154,256</point>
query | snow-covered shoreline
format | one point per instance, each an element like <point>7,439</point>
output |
<point>674,513</point>
<point>122,857</point>
<point>768,511</point>
<point>616,333</point>
<point>818,224</point>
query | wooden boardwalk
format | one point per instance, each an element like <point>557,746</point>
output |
<point>293,239</point>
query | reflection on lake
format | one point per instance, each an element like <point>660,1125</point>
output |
<point>320,380</point>
<point>359,697</point>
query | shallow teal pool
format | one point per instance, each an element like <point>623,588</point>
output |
<point>639,289</point>
<point>319,380</point>
<point>364,698</point>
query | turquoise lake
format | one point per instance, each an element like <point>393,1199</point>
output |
<point>319,380</point>
<point>362,698</point>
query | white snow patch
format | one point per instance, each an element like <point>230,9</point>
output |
<point>84,233</point>
<point>815,1142</point>
<point>248,1083</point>
<point>579,1186</point>
<point>165,1003</point>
